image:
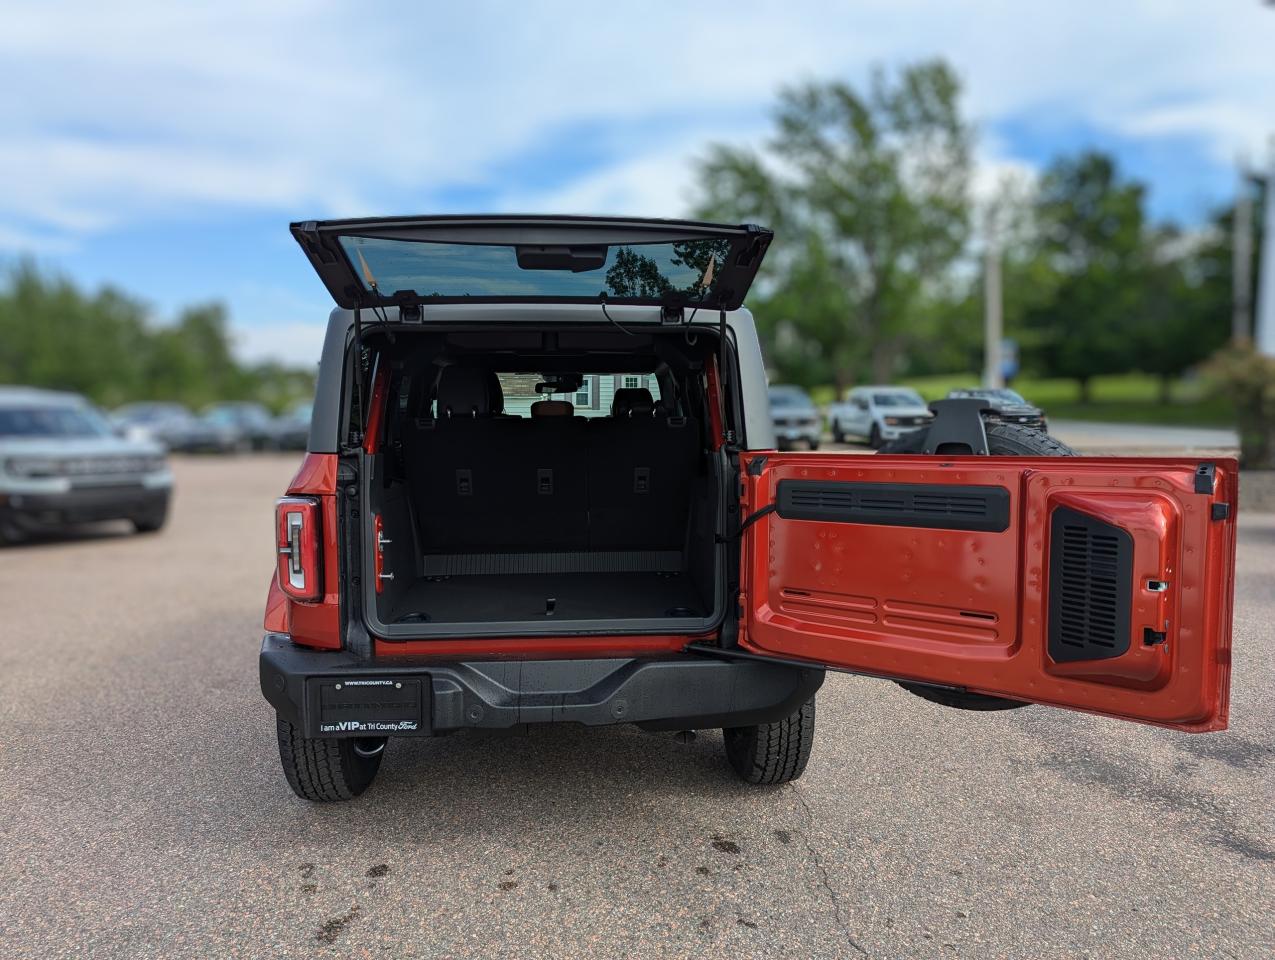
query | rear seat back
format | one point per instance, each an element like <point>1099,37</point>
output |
<point>641,469</point>
<point>487,483</point>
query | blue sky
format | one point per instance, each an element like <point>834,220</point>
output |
<point>164,147</point>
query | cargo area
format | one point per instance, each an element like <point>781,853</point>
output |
<point>547,481</point>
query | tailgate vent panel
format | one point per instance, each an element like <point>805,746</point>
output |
<point>1090,587</point>
<point>937,506</point>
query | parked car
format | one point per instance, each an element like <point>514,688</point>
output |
<point>1007,406</point>
<point>175,427</point>
<point>795,417</point>
<point>878,414</point>
<point>61,464</point>
<point>444,563</point>
<point>251,423</point>
<point>292,429</point>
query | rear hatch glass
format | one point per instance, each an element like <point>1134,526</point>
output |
<point>368,263</point>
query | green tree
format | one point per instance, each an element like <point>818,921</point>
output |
<point>1092,241</point>
<point>868,193</point>
<point>103,345</point>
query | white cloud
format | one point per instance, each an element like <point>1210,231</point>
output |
<point>142,110</point>
<point>124,114</point>
<point>296,344</point>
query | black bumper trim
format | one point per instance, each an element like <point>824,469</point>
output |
<point>680,692</point>
<point>86,504</point>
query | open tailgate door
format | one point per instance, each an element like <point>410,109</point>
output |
<point>1099,584</point>
<point>410,261</point>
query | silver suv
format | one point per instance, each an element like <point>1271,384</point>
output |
<point>62,464</point>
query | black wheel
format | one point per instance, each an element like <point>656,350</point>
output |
<point>773,752</point>
<point>151,522</point>
<point>874,438</point>
<point>960,699</point>
<point>325,771</point>
<point>1003,440</point>
<point>814,444</point>
<point>10,532</point>
<point>837,435</point>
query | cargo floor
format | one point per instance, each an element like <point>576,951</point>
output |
<point>550,596</point>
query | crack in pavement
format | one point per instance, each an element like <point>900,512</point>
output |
<point>825,882</point>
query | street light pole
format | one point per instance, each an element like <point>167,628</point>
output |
<point>993,317</point>
<point>1264,322</point>
<point>1242,260</point>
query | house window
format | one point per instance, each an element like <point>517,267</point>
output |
<point>631,382</point>
<point>583,398</point>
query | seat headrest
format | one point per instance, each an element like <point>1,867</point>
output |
<point>552,408</point>
<point>632,402</point>
<point>495,392</point>
<point>463,392</point>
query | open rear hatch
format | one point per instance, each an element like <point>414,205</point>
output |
<point>415,261</point>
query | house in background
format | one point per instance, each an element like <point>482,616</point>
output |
<point>593,399</point>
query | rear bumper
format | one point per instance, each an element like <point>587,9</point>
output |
<point>48,511</point>
<point>333,694</point>
<point>793,434</point>
<point>893,432</point>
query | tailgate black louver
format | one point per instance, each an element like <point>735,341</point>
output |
<point>1090,587</point>
<point>938,506</point>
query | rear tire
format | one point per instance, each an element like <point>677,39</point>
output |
<point>10,533</point>
<point>1003,440</point>
<point>814,445</point>
<point>837,435</point>
<point>770,753</point>
<point>151,522</point>
<point>325,771</point>
<point>874,437</point>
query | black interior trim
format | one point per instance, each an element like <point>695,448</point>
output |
<point>932,505</point>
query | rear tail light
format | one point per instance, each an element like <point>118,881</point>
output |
<point>297,540</point>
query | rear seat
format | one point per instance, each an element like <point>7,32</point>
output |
<point>641,469</point>
<point>487,483</point>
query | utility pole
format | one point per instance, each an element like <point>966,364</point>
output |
<point>1242,260</point>
<point>993,317</point>
<point>1264,323</point>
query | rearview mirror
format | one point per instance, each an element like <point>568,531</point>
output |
<point>575,259</point>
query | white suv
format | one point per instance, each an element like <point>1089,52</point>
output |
<point>878,414</point>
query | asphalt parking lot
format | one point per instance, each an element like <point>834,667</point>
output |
<point>145,814</point>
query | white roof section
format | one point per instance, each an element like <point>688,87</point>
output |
<point>12,396</point>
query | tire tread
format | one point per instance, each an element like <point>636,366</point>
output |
<point>772,753</point>
<point>318,769</point>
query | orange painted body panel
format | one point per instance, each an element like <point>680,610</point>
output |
<point>535,648</point>
<point>315,624</point>
<point>969,609</point>
<point>316,475</point>
<point>716,418</point>
<point>276,620</point>
<point>376,409</point>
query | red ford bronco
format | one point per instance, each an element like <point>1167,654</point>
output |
<point>542,486</point>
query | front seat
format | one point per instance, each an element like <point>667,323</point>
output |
<point>552,408</point>
<point>632,402</point>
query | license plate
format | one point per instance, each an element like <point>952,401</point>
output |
<point>368,706</point>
